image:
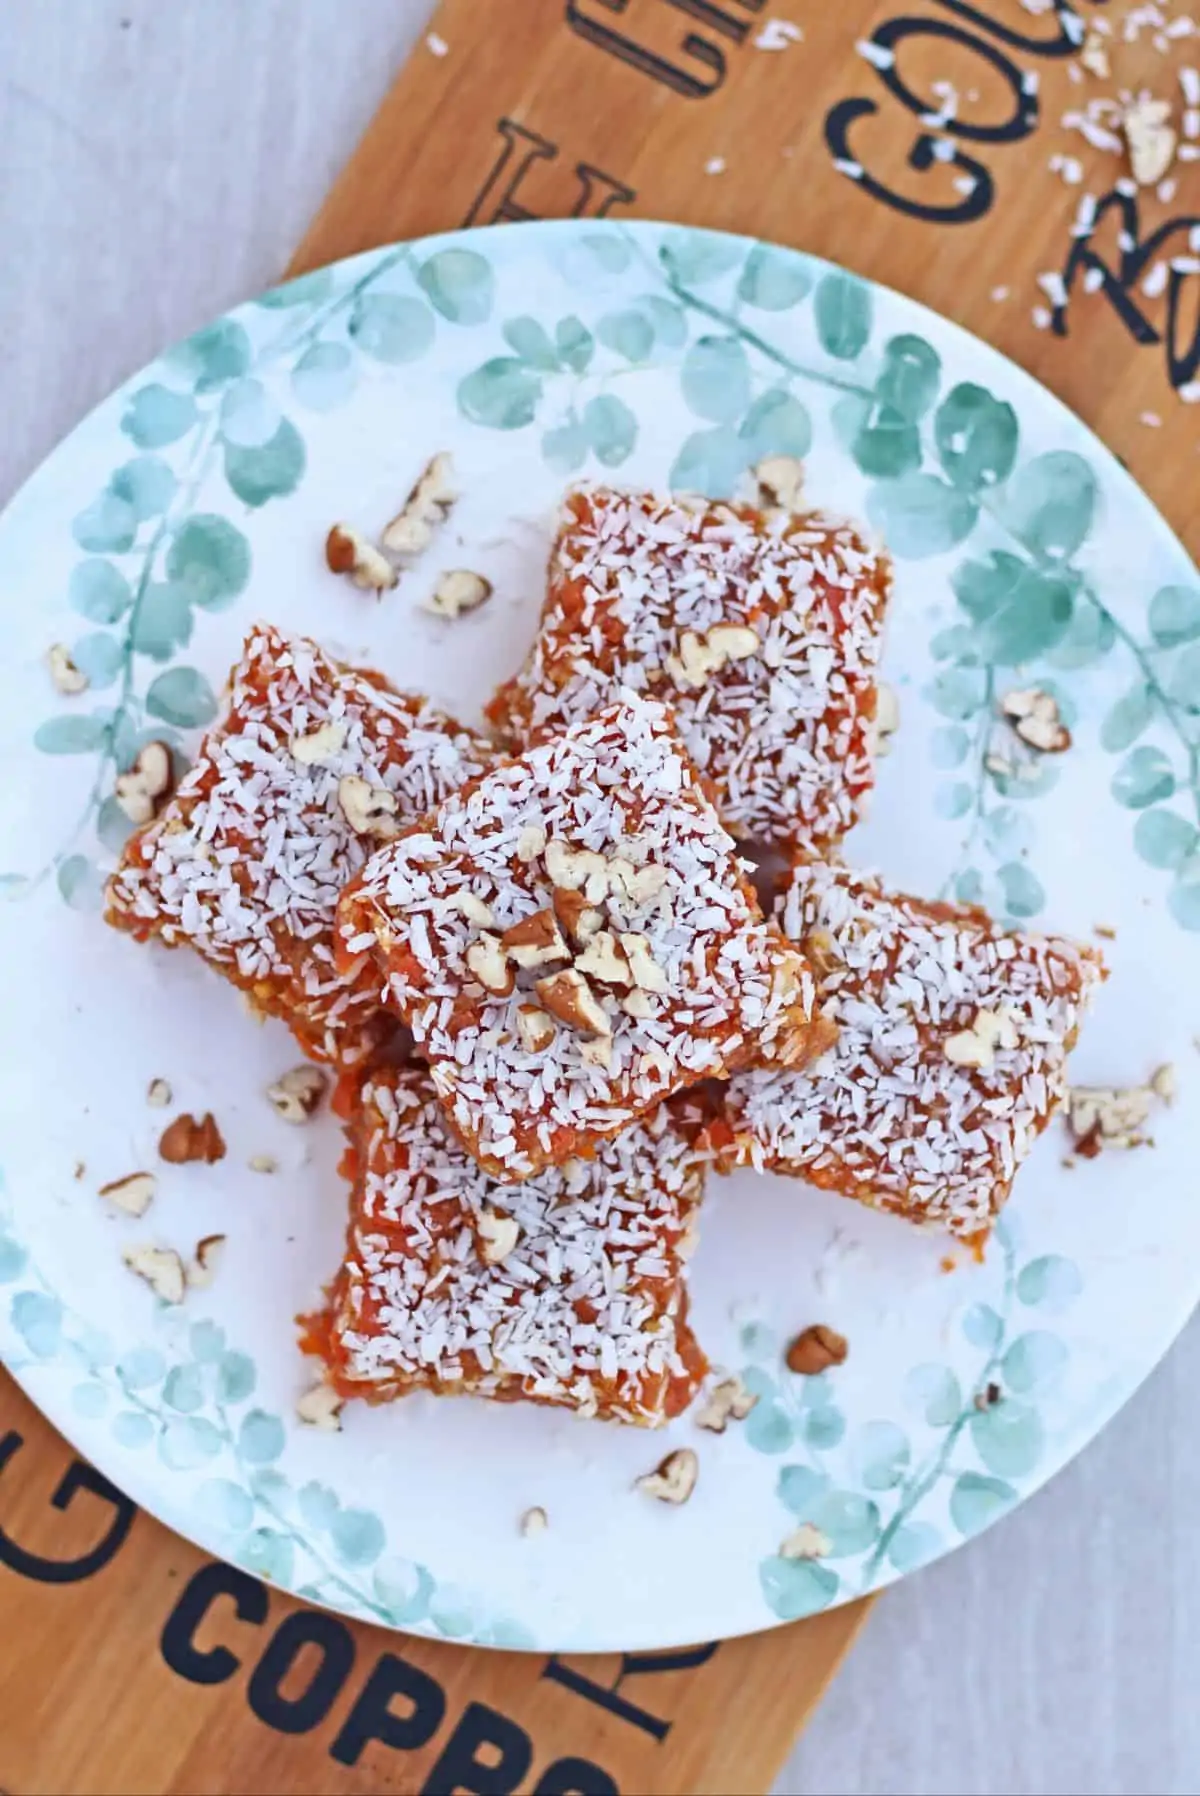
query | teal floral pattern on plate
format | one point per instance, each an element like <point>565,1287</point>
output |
<point>196,499</point>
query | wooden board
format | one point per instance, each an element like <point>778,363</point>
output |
<point>136,1664</point>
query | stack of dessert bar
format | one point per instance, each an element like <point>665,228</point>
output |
<point>561,914</point>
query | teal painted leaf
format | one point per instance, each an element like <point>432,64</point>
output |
<point>528,339</point>
<point>715,379</point>
<point>403,1588</point>
<point>883,443</point>
<point>225,1504</point>
<point>249,417</point>
<point>236,1377</point>
<point>1144,777</point>
<point>914,1544</point>
<point>1007,832</point>
<point>768,1428</point>
<point>693,258</point>
<point>142,1367</point>
<point>80,884</point>
<point>608,250</point>
<point>565,447</point>
<point>975,1501</point>
<point>573,343</point>
<point>1051,503</point>
<point>319,1505</point>
<point>107,526</point>
<point>1175,615</point>
<point>1033,616</point>
<point>71,735</point>
<point>843,307</point>
<point>13,1259</point>
<point>184,1389</point>
<point>358,1536</point>
<point>1034,1361</point>
<point>883,1454</point>
<point>324,377</point>
<point>776,424</point>
<point>1183,900</point>
<point>816,1389</point>
<point>949,746</point>
<point>983,587</point>
<point>611,429</point>
<point>921,514</point>
<point>936,1392</point>
<point>794,1588</point>
<point>1163,839</point>
<point>668,319</point>
<point>182,696</point>
<point>268,1554</point>
<point>156,415</point>
<point>800,1488</point>
<point>305,290</point>
<point>976,436</point>
<point>206,1341</point>
<point>823,1428</point>
<point>210,559</point>
<point>629,334</point>
<point>188,1442</point>
<point>37,1318</point>
<point>953,800</point>
<point>1128,718</point>
<point>130,1428</point>
<point>509,1635</point>
<point>147,484</point>
<point>773,279</point>
<point>99,656</point>
<point>1023,892</point>
<point>757,1340</point>
<point>503,394</point>
<point>89,1399</point>
<point>1008,1437</point>
<point>270,472</point>
<point>14,885</point>
<point>850,1521</point>
<point>908,382</point>
<point>709,462</point>
<point>391,327</point>
<point>959,691</point>
<point>1183,680</point>
<point>959,643</point>
<point>1091,636</point>
<point>163,623</point>
<point>458,284</point>
<point>213,356</point>
<point>260,1437</point>
<point>272,1487</point>
<point>983,1326</point>
<point>1049,1282</point>
<point>100,591</point>
<point>451,1612</point>
<point>968,887</point>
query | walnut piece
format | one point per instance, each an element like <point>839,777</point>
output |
<point>498,1235</point>
<point>569,997</point>
<point>320,1407</point>
<point>579,919</point>
<point>728,1401</point>
<point>1103,1116</point>
<point>458,592</point>
<point>577,870</point>
<point>535,1030</point>
<point>488,960</point>
<point>977,1045</point>
<point>133,1194</point>
<point>158,1094</point>
<point>369,810</point>
<point>145,787</point>
<point>674,1479</point>
<point>602,959</point>
<point>531,842</point>
<point>297,1095</point>
<point>636,885</point>
<point>411,530</point>
<point>185,1140</point>
<point>815,1349</point>
<point>805,1542</point>
<point>68,679</point>
<point>263,1163</point>
<point>637,1004</point>
<point>536,941</point>
<point>642,965</point>
<point>700,657</point>
<point>534,1521</point>
<point>1151,139</point>
<point>1094,57</point>
<point>1035,718</point>
<point>349,552</point>
<point>162,1269</point>
<point>205,1261</point>
<point>319,746</point>
<point>475,910</point>
<point>780,481</point>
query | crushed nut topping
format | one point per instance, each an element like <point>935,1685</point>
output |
<point>68,679</point>
<point>636,1003</point>
<point>534,1521</point>
<point>319,746</point>
<point>674,1479</point>
<point>185,1140</point>
<point>1035,717</point>
<point>488,960</point>
<point>887,718</point>
<point>458,592</point>
<point>205,1261</point>
<point>349,552</point>
<point>158,1094</point>
<point>977,1045</point>
<point>369,810</point>
<point>428,504</point>
<point>536,941</point>
<point>531,842</point>
<point>602,959</point>
<point>535,1030</point>
<point>162,1269</point>
<point>579,919</point>
<point>701,656</point>
<point>1164,1082</point>
<point>806,1542</point>
<point>815,1349</point>
<point>320,1407</point>
<point>297,1094</point>
<point>569,997</point>
<point>134,1194</point>
<point>1102,1116</point>
<point>577,870</point>
<point>643,967</point>
<point>1094,57</point>
<point>637,885</point>
<point>498,1235</point>
<point>475,910</point>
<point>728,1401</point>
<point>142,791</point>
<point>780,481</point>
<point>264,1163</point>
<point>1150,137</point>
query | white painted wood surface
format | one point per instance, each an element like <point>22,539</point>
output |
<point>158,159</point>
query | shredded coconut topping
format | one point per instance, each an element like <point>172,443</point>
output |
<point>889,1115</point>
<point>781,732</point>
<point>247,860</point>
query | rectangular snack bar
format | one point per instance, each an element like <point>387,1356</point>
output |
<point>566,1289</point>
<point>311,766</point>
<point>571,938</point>
<point>950,1059</point>
<point>760,628</point>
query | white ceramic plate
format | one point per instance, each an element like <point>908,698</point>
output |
<point>197,499</point>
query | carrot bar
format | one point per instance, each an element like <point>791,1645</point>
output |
<point>760,628</point>
<point>311,765</point>
<point>566,1289</point>
<point>950,1060</point>
<point>571,938</point>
